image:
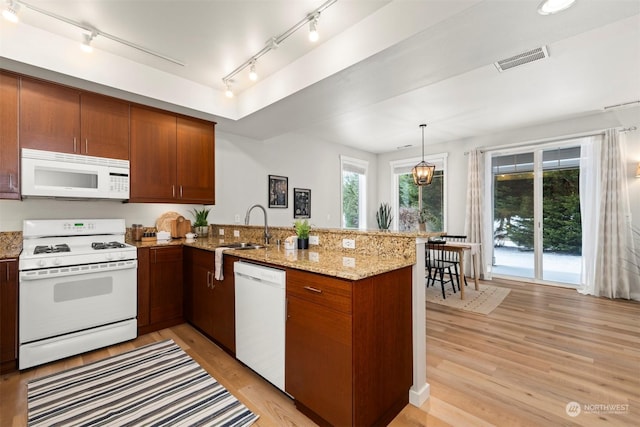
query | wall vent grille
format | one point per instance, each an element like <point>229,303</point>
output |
<point>522,58</point>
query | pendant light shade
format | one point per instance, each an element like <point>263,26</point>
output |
<point>423,171</point>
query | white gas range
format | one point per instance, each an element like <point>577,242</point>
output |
<point>78,288</point>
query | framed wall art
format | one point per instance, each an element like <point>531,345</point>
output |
<point>278,191</point>
<point>301,203</point>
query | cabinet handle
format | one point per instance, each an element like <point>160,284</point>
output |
<point>181,191</point>
<point>173,191</point>
<point>312,289</point>
<point>209,281</point>
<point>74,144</point>
<point>86,145</point>
<point>10,181</point>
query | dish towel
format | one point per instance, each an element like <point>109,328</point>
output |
<point>218,274</point>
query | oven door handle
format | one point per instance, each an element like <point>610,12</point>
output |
<point>75,270</point>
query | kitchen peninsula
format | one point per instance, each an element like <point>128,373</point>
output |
<point>348,355</point>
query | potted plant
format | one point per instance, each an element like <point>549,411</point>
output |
<point>302,228</point>
<point>423,217</point>
<point>384,217</point>
<point>201,224</point>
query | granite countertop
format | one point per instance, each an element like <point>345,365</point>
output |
<point>337,264</point>
<point>9,253</point>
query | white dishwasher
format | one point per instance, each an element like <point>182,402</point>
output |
<point>260,320</point>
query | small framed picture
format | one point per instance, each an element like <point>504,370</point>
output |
<point>278,191</point>
<point>301,203</point>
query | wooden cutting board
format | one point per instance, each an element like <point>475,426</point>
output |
<point>180,227</point>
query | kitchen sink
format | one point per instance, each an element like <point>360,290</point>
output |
<point>243,245</point>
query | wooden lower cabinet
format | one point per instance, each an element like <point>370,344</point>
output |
<point>8,315</point>
<point>210,303</point>
<point>160,288</point>
<point>348,358</point>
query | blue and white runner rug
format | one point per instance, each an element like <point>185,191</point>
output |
<point>155,385</point>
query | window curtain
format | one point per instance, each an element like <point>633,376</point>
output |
<point>474,224</point>
<point>610,263</point>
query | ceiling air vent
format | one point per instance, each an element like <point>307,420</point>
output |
<point>522,58</point>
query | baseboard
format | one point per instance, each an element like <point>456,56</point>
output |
<point>418,397</point>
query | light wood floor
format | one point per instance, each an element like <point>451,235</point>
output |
<point>542,348</point>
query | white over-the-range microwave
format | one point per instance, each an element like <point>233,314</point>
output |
<point>51,174</point>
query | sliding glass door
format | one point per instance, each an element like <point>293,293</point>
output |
<point>536,214</point>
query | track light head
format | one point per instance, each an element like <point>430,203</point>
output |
<point>253,76</point>
<point>86,42</point>
<point>10,12</point>
<point>313,28</point>
<point>228,92</point>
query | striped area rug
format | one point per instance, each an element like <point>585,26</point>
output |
<point>155,385</point>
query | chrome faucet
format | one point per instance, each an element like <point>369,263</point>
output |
<point>267,236</point>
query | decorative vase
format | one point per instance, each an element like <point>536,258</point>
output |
<point>202,231</point>
<point>422,227</point>
<point>303,243</point>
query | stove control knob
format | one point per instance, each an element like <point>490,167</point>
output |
<point>42,263</point>
<point>56,261</point>
<point>122,255</point>
<point>109,257</point>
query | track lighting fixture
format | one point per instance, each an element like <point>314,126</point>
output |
<point>228,92</point>
<point>313,28</point>
<point>12,7</point>
<point>423,171</point>
<point>86,42</point>
<point>253,76</point>
<point>10,12</point>
<point>274,42</point>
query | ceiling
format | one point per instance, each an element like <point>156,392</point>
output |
<point>381,67</point>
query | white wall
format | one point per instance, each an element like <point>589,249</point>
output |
<point>457,160</point>
<point>242,169</point>
<point>243,166</point>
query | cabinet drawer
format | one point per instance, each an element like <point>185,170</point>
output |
<point>327,291</point>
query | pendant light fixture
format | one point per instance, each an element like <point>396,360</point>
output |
<point>423,171</point>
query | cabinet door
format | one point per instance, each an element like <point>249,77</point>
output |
<point>9,152</point>
<point>195,161</point>
<point>318,370</point>
<point>104,125</point>
<point>198,274</point>
<point>8,314</point>
<point>166,293</point>
<point>143,287</point>
<point>224,307</point>
<point>153,156</point>
<point>49,117</point>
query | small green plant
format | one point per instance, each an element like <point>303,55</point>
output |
<point>384,217</point>
<point>201,217</point>
<point>424,216</point>
<point>302,228</point>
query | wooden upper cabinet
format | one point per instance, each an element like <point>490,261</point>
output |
<point>9,150</point>
<point>172,158</point>
<point>153,155</point>
<point>66,120</point>
<point>49,117</point>
<point>195,161</point>
<point>104,127</point>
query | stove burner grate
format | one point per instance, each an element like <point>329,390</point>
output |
<point>51,249</point>
<point>107,245</point>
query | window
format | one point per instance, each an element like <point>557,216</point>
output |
<point>406,195</point>
<point>353,192</point>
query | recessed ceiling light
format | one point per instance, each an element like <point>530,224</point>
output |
<point>549,7</point>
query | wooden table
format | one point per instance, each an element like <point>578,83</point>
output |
<point>460,248</point>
